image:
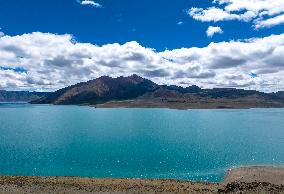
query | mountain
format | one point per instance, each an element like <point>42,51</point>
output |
<point>135,91</point>
<point>20,96</point>
<point>100,90</point>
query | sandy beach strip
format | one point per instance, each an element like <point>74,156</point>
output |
<point>252,180</point>
<point>269,174</point>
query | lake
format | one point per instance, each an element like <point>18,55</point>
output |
<point>49,140</point>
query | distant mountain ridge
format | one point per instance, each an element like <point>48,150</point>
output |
<point>135,91</point>
<point>20,96</point>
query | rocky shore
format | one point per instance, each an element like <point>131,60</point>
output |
<point>251,180</point>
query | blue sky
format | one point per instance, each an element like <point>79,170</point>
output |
<point>50,41</point>
<point>151,23</point>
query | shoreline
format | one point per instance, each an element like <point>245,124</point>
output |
<point>185,105</point>
<point>270,174</point>
<point>252,179</point>
<point>128,104</point>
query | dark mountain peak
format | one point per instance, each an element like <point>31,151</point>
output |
<point>194,87</point>
<point>133,79</point>
<point>136,77</point>
<point>104,78</point>
<point>101,90</point>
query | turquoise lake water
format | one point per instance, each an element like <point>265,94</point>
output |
<point>51,140</point>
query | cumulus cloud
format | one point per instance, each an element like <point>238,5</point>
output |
<point>211,14</point>
<point>1,33</point>
<point>269,22</point>
<point>212,30</point>
<point>45,61</point>
<point>92,3</point>
<point>262,13</point>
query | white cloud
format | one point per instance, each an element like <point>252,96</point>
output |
<point>92,3</point>
<point>211,14</point>
<point>212,30</point>
<point>50,61</point>
<point>180,23</point>
<point>270,22</point>
<point>262,13</point>
<point>1,33</point>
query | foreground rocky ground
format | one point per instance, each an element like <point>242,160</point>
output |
<point>244,180</point>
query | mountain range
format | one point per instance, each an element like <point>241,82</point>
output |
<point>20,96</point>
<point>135,91</point>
